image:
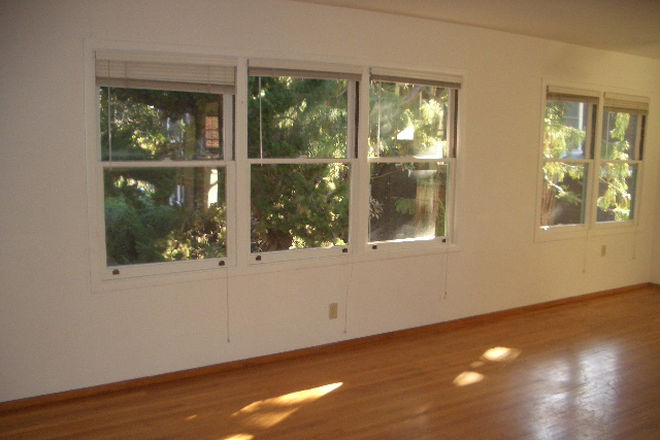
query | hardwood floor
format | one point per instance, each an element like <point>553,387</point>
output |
<point>587,370</point>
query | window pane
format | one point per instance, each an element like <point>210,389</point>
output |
<point>408,120</point>
<point>564,190</point>
<point>619,135</point>
<point>616,192</point>
<point>297,206</point>
<point>141,124</point>
<point>164,214</point>
<point>566,127</point>
<point>408,200</point>
<point>297,117</point>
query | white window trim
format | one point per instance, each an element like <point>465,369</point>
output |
<point>422,245</point>
<point>591,227</point>
<point>244,163</point>
<point>102,274</point>
<point>240,260</point>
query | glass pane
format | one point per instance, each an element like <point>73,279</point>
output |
<point>566,127</point>
<point>164,214</point>
<point>619,135</point>
<point>616,192</point>
<point>564,187</point>
<point>299,206</point>
<point>408,200</point>
<point>297,117</point>
<point>408,120</point>
<point>141,124</point>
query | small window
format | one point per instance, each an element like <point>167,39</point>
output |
<point>621,156</point>
<point>164,148</point>
<point>568,144</point>
<point>587,178</point>
<point>412,149</point>
<point>301,139</point>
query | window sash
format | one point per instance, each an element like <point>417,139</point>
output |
<point>352,100</point>
<point>451,119</point>
<point>429,210</point>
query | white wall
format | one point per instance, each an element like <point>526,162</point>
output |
<point>59,333</point>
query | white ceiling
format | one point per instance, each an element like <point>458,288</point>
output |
<point>628,26</point>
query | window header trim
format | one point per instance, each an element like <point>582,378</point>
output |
<point>615,102</point>
<point>418,78</point>
<point>297,69</point>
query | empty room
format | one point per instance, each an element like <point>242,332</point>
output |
<point>323,219</point>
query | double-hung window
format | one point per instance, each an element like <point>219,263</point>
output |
<point>621,150</point>
<point>166,136</point>
<point>181,184</point>
<point>568,151</point>
<point>412,153</point>
<point>302,128</point>
<point>591,156</point>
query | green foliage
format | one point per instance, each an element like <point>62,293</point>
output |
<point>405,206</point>
<point>298,205</point>
<point>144,222</point>
<point>155,124</point>
<point>560,139</point>
<point>150,234</point>
<point>565,182</point>
<point>615,202</point>
<point>296,117</point>
<point>418,111</point>
<point>407,199</point>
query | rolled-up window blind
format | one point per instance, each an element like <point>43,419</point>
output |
<point>555,93</point>
<point>626,104</point>
<point>417,78</point>
<point>175,73</point>
<point>259,67</point>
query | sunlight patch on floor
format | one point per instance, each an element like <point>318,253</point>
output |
<point>239,437</point>
<point>501,354</point>
<point>492,355</point>
<point>468,378</point>
<point>269,412</point>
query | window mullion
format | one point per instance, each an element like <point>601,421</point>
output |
<point>242,175</point>
<point>594,173</point>
<point>359,226</point>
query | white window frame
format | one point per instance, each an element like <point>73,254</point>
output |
<point>168,72</point>
<point>591,226</point>
<point>240,259</point>
<point>266,67</point>
<point>422,244</point>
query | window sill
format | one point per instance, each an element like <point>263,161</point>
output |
<point>554,233</point>
<point>189,272</point>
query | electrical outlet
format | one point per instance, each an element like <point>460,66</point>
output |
<point>603,250</point>
<point>333,310</point>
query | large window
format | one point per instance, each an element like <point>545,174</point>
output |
<point>590,177</point>
<point>412,148</point>
<point>165,141</point>
<point>203,162</point>
<point>301,148</point>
